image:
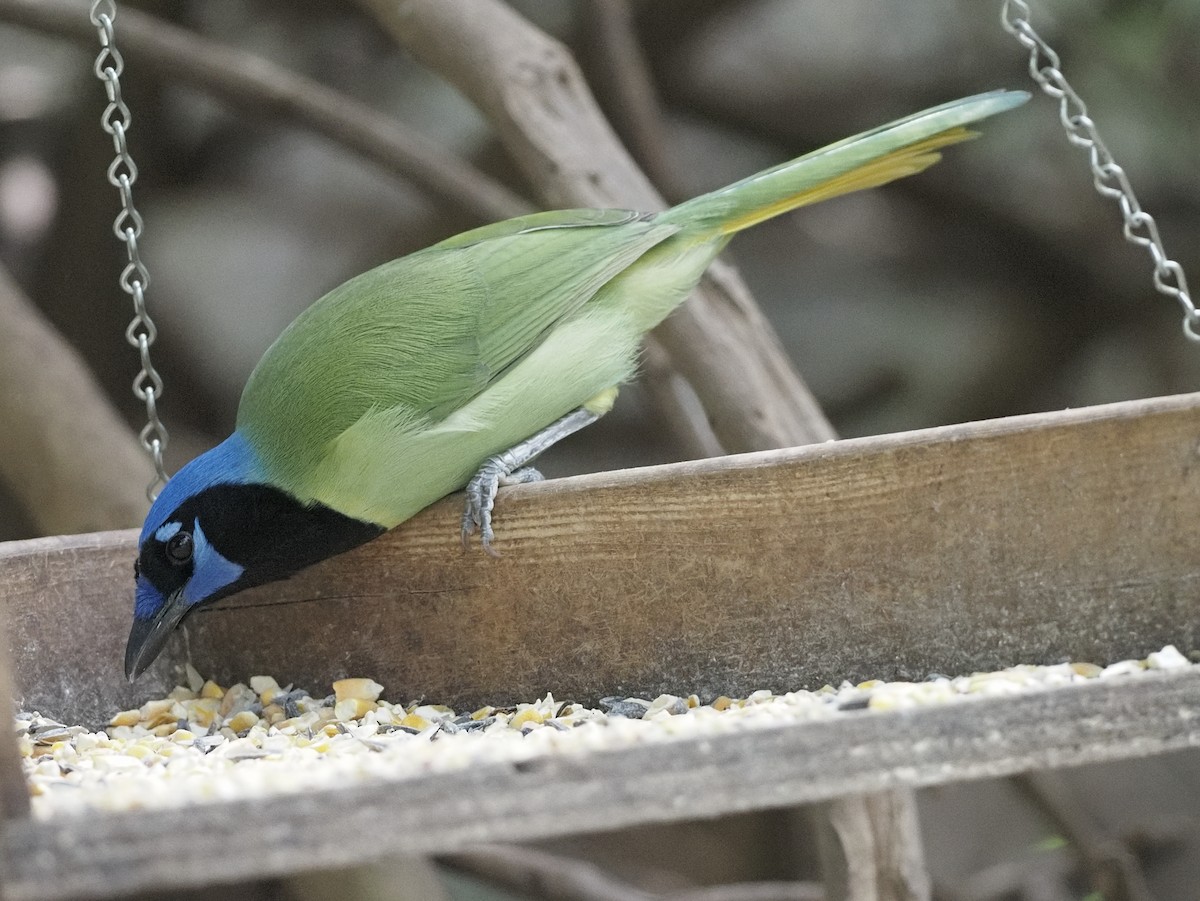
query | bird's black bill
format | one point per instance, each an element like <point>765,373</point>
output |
<point>148,637</point>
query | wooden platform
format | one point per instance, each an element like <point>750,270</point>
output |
<point>1032,539</point>
<point>756,770</point>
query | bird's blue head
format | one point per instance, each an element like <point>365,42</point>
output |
<point>217,527</point>
<point>178,566</point>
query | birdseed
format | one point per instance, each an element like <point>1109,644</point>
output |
<point>204,743</point>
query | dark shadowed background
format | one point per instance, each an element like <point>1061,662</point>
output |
<point>995,283</point>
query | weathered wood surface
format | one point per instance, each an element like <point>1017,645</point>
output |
<point>968,547</point>
<point>14,799</point>
<point>861,752</point>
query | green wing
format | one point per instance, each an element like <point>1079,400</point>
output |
<point>427,333</point>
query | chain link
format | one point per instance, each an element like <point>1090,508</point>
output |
<point>135,278</point>
<point>1108,177</point>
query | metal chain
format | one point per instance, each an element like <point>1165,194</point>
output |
<point>122,173</point>
<point>1109,178</point>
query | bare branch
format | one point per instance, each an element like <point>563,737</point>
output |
<point>64,451</point>
<point>871,847</point>
<point>257,86</point>
<point>531,89</point>
<point>622,78</point>
<point>1112,868</point>
<point>753,891</point>
<point>540,874</point>
<point>672,395</point>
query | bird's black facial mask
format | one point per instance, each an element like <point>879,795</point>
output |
<point>219,541</point>
<point>177,568</point>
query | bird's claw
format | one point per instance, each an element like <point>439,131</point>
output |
<point>481,498</point>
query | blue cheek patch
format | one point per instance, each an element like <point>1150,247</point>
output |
<point>211,572</point>
<point>147,600</point>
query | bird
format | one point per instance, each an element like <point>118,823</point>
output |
<point>455,367</point>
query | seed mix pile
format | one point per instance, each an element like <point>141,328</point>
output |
<point>207,743</point>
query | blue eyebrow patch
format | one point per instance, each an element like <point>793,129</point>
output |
<point>166,532</point>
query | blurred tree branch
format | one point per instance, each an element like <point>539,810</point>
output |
<point>255,85</point>
<point>723,346</point>
<point>252,84</point>
<point>534,873</point>
<point>624,84</point>
<point>531,88</point>
<point>1112,868</point>
<point>54,415</point>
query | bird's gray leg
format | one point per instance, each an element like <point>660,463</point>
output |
<point>511,468</point>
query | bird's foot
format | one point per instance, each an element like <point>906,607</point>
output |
<point>481,497</point>
<point>510,467</point>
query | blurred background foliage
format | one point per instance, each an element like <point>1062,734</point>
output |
<point>996,283</point>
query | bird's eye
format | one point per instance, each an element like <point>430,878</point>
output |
<point>179,548</point>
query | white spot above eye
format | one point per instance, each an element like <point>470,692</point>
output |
<point>165,532</point>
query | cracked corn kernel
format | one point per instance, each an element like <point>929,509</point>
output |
<point>202,712</point>
<point>126,718</point>
<point>527,715</point>
<point>242,721</point>
<point>211,689</point>
<point>195,681</point>
<point>263,684</point>
<point>237,698</point>
<point>357,689</point>
<point>155,710</point>
<point>413,721</point>
<point>352,708</point>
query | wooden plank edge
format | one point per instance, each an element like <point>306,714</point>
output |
<point>822,552</point>
<point>109,855</point>
<point>870,445</point>
<point>14,794</point>
<point>433,519</point>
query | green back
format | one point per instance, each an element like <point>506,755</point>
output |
<point>430,331</point>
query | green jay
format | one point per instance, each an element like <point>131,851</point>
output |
<point>457,365</point>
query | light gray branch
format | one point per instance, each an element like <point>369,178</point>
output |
<point>64,451</point>
<point>538,874</point>
<point>254,85</point>
<point>871,848</point>
<point>531,89</point>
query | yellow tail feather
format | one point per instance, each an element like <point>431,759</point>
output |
<point>899,163</point>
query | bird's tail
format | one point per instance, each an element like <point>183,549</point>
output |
<point>904,147</point>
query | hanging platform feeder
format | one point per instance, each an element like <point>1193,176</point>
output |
<point>1039,538</point>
